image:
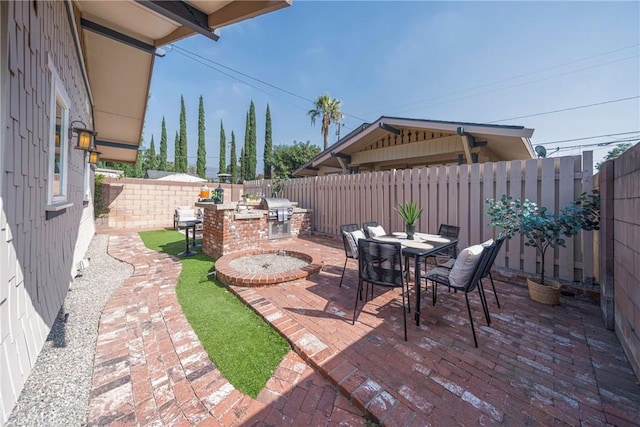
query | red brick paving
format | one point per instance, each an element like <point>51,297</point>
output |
<point>535,365</point>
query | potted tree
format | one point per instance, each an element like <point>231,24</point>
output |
<point>409,212</point>
<point>544,229</point>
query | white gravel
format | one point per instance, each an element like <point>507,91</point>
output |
<point>57,391</point>
<point>267,263</point>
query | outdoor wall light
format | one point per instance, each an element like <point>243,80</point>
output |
<point>94,156</point>
<point>85,136</point>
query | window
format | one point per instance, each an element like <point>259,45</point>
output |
<point>87,178</point>
<point>58,142</point>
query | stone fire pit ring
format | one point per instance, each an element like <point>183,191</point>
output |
<point>233,277</point>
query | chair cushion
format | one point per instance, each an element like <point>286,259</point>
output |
<point>376,231</point>
<point>465,264</point>
<point>185,214</point>
<point>352,241</point>
<point>487,243</point>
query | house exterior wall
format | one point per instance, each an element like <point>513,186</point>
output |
<point>38,254</point>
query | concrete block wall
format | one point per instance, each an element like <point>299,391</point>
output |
<point>138,203</point>
<point>626,252</point>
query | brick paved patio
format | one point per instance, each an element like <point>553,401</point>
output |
<point>535,365</point>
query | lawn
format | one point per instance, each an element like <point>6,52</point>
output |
<point>240,343</point>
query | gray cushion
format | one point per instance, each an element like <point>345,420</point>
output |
<point>465,264</point>
<point>352,241</point>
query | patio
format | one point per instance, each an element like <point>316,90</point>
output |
<point>535,365</point>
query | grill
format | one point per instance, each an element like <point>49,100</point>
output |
<point>279,213</point>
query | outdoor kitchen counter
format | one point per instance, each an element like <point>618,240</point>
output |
<point>227,229</point>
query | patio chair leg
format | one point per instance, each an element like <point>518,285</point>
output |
<point>494,290</point>
<point>483,300</point>
<point>355,308</point>
<point>343,270</point>
<point>473,330</point>
<point>434,289</point>
<point>404,314</point>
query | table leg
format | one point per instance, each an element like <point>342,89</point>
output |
<point>187,249</point>
<point>418,276</point>
<point>193,243</point>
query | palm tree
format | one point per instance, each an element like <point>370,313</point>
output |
<point>329,109</point>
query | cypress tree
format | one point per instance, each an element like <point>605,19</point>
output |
<point>233,167</point>
<point>201,164</point>
<point>152,160</point>
<point>162,161</point>
<point>245,151</point>
<point>182,164</point>
<point>176,159</point>
<point>222,164</point>
<point>268,146</point>
<point>243,164</point>
<point>252,159</point>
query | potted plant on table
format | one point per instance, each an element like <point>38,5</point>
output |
<point>544,229</point>
<point>409,212</point>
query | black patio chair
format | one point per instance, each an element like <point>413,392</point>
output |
<point>477,267</point>
<point>487,271</point>
<point>380,264</point>
<point>365,227</point>
<point>348,251</point>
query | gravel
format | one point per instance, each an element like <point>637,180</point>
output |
<point>57,391</point>
<point>267,263</point>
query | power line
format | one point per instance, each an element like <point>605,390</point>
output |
<point>602,144</point>
<point>567,109</point>
<point>588,137</point>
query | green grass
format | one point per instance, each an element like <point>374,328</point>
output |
<point>242,345</point>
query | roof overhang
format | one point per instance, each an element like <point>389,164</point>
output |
<point>512,142</point>
<point>120,40</point>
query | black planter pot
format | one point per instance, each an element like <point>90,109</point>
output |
<point>410,230</point>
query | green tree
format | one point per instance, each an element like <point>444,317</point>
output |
<point>222,163</point>
<point>233,166</point>
<point>252,155</point>
<point>614,153</point>
<point>268,146</point>
<point>287,158</point>
<point>329,110</point>
<point>151,160</point>
<point>162,160</point>
<point>201,164</point>
<point>243,164</point>
<point>177,156</point>
<point>181,162</point>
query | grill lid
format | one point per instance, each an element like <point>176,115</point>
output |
<point>273,203</point>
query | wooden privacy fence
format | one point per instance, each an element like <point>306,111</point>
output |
<point>455,195</point>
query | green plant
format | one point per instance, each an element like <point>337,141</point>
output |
<point>99,204</point>
<point>409,212</point>
<point>541,228</point>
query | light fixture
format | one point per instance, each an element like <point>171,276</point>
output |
<point>94,156</point>
<point>85,136</point>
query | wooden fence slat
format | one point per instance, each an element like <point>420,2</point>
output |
<point>463,238</point>
<point>501,188</point>
<point>487,193</point>
<point>474,205</point>
<point>442,195</point>
<point>565,193</point>
<point>452,215</point>
<point>515,191</point>
<point>587,236</point>
<point>548,199</point>
<point>433,200</point>
<point>531,193</point>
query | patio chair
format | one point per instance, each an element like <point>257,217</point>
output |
<point>350,242</point>
<point>487,271</point>
<point>183,213</point>
<point>465,277</point>
<point>380,264</point>
<point>378,232</point>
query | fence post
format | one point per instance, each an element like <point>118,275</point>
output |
<point>606,255</point>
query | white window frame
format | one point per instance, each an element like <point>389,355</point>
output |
<point>87,178</point>
<point>58,96</point>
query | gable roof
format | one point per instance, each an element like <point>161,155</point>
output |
<point>120,40</point>
<point>511,142</point>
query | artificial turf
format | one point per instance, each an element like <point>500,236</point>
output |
<point>244,348</point>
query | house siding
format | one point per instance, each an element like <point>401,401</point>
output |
<point>38,256</point>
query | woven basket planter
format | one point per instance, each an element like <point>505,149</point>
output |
<point>549,293</point>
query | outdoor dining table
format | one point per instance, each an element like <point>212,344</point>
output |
<point>422,246</point>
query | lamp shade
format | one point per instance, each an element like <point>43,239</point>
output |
<point>94,156</point>
<point>85,136</point>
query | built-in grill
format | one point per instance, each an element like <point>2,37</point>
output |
<point>279,213</point>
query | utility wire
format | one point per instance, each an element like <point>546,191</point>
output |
<point>588,137</point>
<point>567,109</point>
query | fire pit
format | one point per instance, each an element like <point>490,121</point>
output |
<point>265,267</point>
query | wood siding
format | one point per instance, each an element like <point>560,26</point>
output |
<point>38,257</point>
<point>453,195</point>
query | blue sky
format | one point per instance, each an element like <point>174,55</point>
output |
<point>459,61</point>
